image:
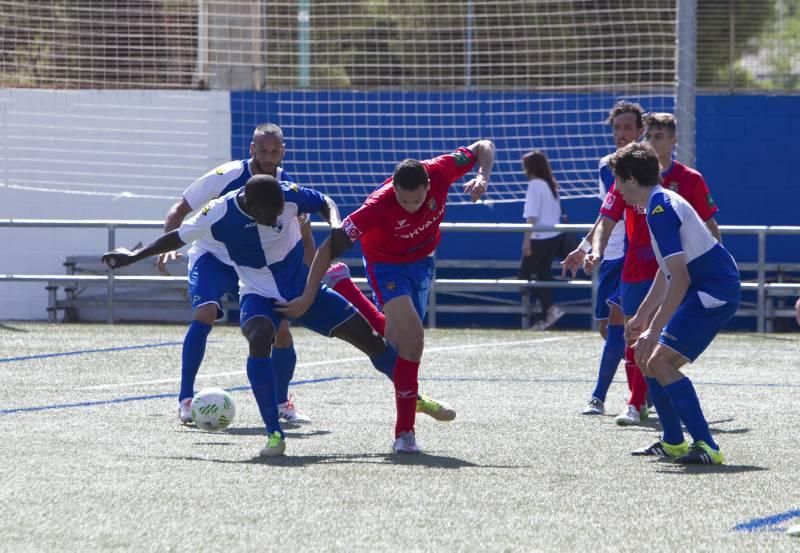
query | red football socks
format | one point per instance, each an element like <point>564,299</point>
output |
<point>348,289</point>
<point>636,381</point>
<point>405,393</point>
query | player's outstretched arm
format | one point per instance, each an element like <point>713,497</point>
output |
<point>331,248</point>
<point>122,257</point>
<point>175,216</point>
<point>484,152</point>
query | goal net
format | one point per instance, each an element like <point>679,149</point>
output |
<point>355,85</point>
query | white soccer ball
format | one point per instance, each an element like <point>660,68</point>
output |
<point>213,409</point>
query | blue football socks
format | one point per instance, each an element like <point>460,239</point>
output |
<point>684,399</point>
<point>262,381</point>
<point>283,361</point>
<point>613,352</point>
<point>194,349</point>
<point>667,415</point>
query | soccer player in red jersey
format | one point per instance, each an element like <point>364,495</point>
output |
<point>398,226</point>
<point>661,132</point>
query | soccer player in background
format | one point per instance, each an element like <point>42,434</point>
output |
<point>640,265</point>
<point>695,293</point>
<point>626,121</point>
<point>398,226</point>
<point>661,133</point>
<point>257,232</point>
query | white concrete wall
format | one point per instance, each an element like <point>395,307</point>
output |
<point>95,155</point>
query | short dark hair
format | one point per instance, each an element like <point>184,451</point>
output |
<point>264,190</point>
<point>624,106</point>
<point>637,160</point>
<point>268,128</point>
<point>661,120</point>
<point>410,174</point>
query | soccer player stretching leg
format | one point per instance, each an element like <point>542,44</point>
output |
<point>258,232</point>
<point>695,293</point>
<point>398,225</point>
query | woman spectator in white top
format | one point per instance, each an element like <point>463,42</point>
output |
<point>539,249</point>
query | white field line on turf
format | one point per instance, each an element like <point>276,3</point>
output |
<point>329,361</point>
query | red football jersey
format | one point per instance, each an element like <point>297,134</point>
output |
<point>690,184</point>
<point>640,260</point>
<point>389,233</point>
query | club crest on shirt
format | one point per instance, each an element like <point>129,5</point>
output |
<point>460,157</point>
<point>350,229</point>
<point>656,210</point>
<point>278,227</point>
<point>609,201</point>
<point>206,209</point>
<point>432,204</point>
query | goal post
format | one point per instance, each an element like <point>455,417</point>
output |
<point>355,85</point>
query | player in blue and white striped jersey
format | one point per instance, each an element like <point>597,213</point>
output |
<point>694,295</point>
<point>258,229</point>
<point>211,277</point>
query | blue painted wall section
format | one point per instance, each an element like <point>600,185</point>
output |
<point>745,148</point>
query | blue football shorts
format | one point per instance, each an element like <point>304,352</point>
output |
<point>632,295</point>
<point>209,280</point>
<point>695,324</point>
<point>392,280</point>
<point>608,279</point>
<point>328,311</point>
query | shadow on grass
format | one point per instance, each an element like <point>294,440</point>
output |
<point>426,460</point>
<point>12,328</point>
<point>668,467</point>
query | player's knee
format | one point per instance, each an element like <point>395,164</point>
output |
<point>602,328</point>
<point>259,333</point>
<point>411,343</point>
<point>283,338</point>
<point>206,313</point>
<point>661,367</point>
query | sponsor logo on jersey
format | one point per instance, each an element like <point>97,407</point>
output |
<point>220,171</point>
<point>206,209</point>
<point>436,216</point>
<point>401,223</point>
<point>250,225</point>
<point>656,210</point>
<point>460,157</point>
<point>350,229</point>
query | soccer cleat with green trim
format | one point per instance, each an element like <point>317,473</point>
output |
<point>701,454</point>
<point>663,449</point>
<point>275,447</point>
<point>436,409</point>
